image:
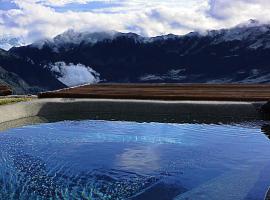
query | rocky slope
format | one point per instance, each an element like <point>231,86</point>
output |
<point>25,77</point>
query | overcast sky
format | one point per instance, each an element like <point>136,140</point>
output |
<point>36,19</point>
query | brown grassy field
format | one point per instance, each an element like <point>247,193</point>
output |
<point>4,90</point>
<point>219,92</point>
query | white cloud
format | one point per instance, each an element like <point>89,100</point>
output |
<point>236,11</point>
<point>36,19</point>
<point>73,75</point>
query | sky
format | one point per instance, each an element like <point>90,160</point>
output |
<point>37,19</point>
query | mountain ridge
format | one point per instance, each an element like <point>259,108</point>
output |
<point>236,55</point>
<point>77,37</point>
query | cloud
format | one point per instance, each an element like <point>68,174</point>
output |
<point>73,75</point>
<point>230,11</point>
<point>37,19</point>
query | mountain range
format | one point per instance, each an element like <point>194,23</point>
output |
<point>236,55</point>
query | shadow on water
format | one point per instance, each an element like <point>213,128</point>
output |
<point>266,130</point>
<point>267,197</point>
<point>152,112</point>
<point>264,123</point>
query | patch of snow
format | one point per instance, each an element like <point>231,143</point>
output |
<point>241,72</point>
<point>161,38</point>
<point>230,56</point>
<point>221,80</point>
<point>254,76</point>
<point>151,77</point>
<point>251,31</point>
<point>255,72</point>
<point>30,60</point>
<point>256,79</point>
<point>74,74</point>
<point>256,45</point>
<point>173,74</point>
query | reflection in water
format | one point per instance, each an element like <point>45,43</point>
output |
<point>107,160</point>
<point>141,157</point>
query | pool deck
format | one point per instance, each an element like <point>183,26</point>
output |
<point>179,92</point>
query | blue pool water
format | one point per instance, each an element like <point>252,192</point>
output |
<point>105,160</point>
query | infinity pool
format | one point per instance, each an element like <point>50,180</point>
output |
<point>104,160</point>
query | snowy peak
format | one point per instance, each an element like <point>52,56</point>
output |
<point>71,38</point>
<point>250,23</point>
<point>7,42</point>
<point>253,33</point>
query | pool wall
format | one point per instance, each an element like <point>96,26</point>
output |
<point>138,110</point>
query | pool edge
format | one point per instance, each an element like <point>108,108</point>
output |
<point>58,106</point>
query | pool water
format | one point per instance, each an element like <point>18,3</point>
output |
<point>103,160</point>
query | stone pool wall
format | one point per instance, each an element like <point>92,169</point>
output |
<point>135,110</point>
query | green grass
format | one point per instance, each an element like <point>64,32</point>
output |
<point>4,101</point>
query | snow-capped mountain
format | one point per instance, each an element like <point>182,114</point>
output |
<point>236,55</point>
<point>72,38</point>
<point>7,42</point>
<point>253,32</point>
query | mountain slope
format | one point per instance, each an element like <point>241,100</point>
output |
<point>24,76</point>
<point>18,85</point>
<point>240,54</point>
